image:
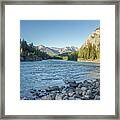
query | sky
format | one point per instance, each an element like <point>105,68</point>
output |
<point>57,33</point>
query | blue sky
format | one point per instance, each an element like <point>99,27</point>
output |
<point>57,33</point>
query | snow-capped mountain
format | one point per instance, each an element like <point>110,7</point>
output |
<point>55,51</point>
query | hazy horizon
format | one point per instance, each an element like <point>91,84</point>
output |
<point>57,33</point>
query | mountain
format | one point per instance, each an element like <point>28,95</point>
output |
<point>48,50</point>
<point>91,48</point>
<point>56,51</point>
<point>93,39</point>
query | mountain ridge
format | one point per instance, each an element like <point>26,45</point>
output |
<point>55,51</point>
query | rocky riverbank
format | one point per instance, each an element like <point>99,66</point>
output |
<point>86,90</point>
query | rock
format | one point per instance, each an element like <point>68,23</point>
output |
<point>83,88</point>
<point>86,97</point>
<point>83,93</point>
<point>73,84</point>
<point>52,96</point>
<point>41,94</point>
<point>76,96</point>
<point>70,92</point>
<point>61,88</point>
<point>59,96</point>
<point>97,84</point>
<point>91,97</point>
<point>64,91</point>
<point>71,98</point>
<point>98,80</point>
<point>33,98</point>
<point>88,92</point>
<point>66,81</point>
<point>78,91</point>
<point>90,87</point>
<point>24,98</point>
<point>97,93</point>
<point>37,94</point>
<point>93,90</point>
<point>90,81</point>
<point>85,81</point>
<point>97,97</point>
<point>52,88</point>
<point>47,97</point>
<point>32,92</point>
<point>80,85</point>
<point>65,98</point>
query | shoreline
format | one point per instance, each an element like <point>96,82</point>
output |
<point>72,90</point>
<point>89,61</point>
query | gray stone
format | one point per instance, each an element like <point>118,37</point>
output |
<point>85,97</point>
<point>73,84</point>
<point>64,91</point>
<point>78,91</point>
<point>90,81</point>
<point>88,92</point>
<point>80,85</point>
<point>98,80</point>
<point>97,84</point>
<point>85,82</point>
<point>97,97</point>
<point>58,96</point>
<point>76,96</point>
<point>70,94</point>
<point>65,98</point>
<point>61,88</point>
<point>66,81</point>
<point>83,93</point>
<point>52,96</point>
<point>46,97</point>
<point>52,88</point>
<point>71,98</point>
<point>83,88</point>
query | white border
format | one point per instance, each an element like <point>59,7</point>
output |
<point>15,13</point>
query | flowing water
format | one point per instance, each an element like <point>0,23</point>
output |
<point>41,74</point>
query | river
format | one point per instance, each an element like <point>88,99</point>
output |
<point>41,74</point>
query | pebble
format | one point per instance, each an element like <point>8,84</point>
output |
<point>97,97</point>
<point>83,88</point>
<point>86,90</point>
<point>80,85</point>
<point>78,91</point>
<point>73,84</point>
<point>65,98</point>
<point>58,96</point>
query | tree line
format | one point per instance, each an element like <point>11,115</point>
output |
<point>91,51</point>
<point>29,52</point>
